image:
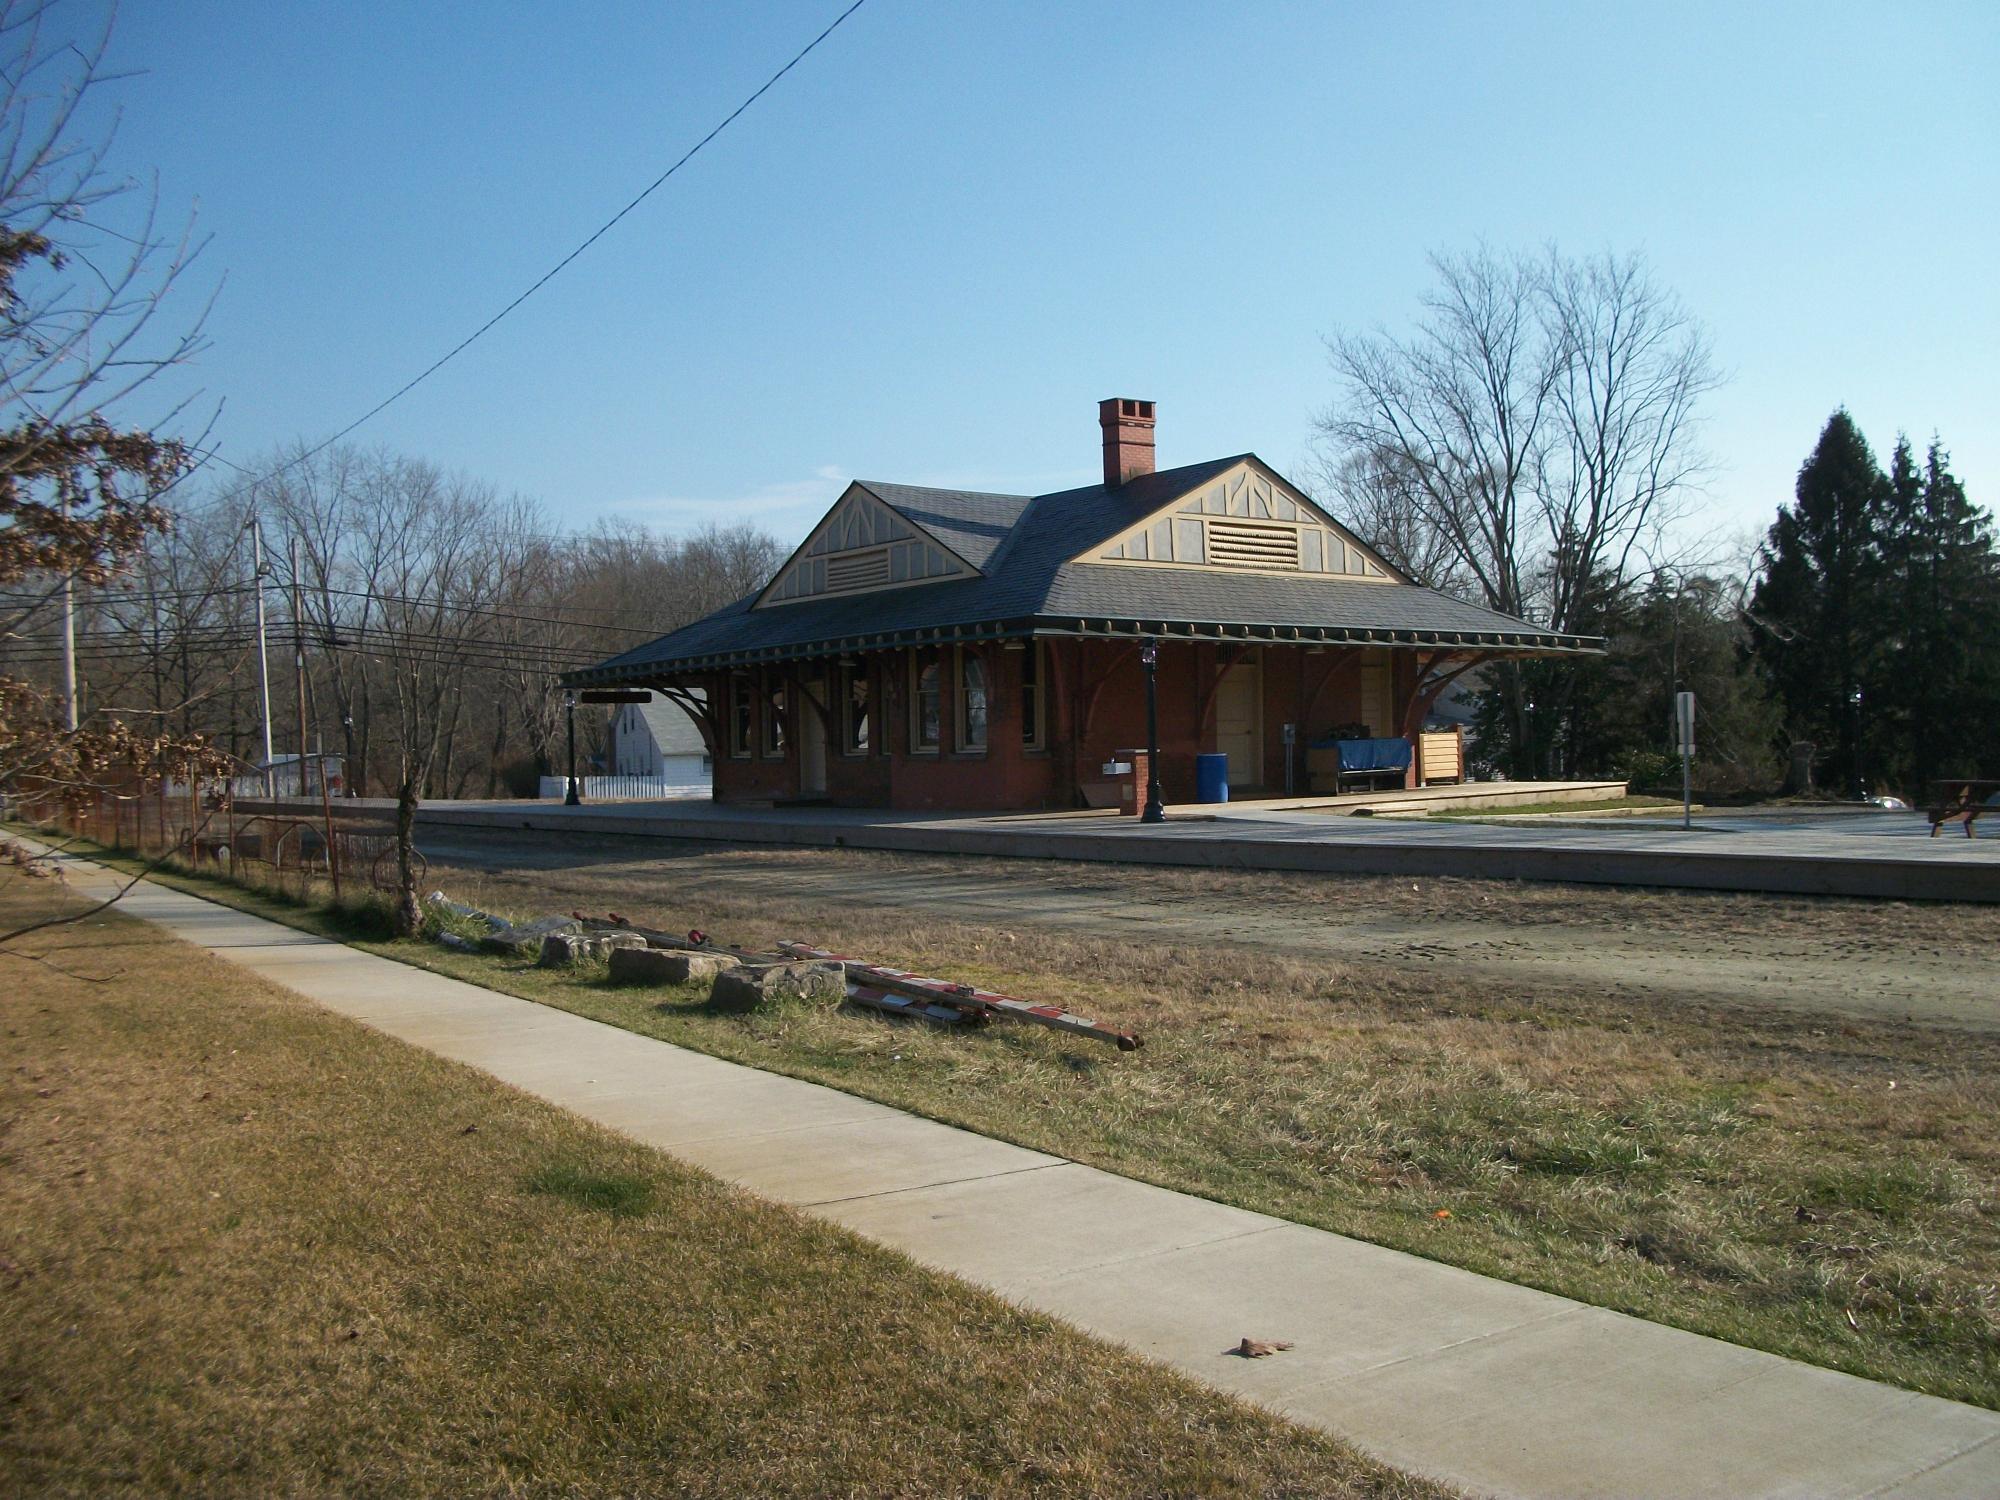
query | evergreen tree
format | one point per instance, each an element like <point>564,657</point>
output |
<point>1825,603</point>
<point>1680,631</point>
<point>1944,690</point>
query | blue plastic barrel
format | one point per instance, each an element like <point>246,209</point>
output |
<point>1211,778</point>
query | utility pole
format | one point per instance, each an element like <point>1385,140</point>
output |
<point>263,656</point>
<point>299,663</point>
<point>70,716</point>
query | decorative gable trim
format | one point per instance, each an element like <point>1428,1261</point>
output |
<point>1246,519</point>
<point>862,546</point>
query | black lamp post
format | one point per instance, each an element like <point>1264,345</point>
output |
<point>571,798</point>
<point>1860,778</point>
<point>1156,803</point>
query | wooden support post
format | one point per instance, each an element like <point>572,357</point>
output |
<point>1424,696</point>
<point>326,812</point>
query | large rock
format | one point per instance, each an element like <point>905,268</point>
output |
<point>524,939</point>
<point>647,965</point>
<point>754,986</point>
<point>684,967</point>
<point>565,950</point>
<point>562,950</point>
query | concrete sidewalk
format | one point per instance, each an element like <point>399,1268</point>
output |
<point>1433,1369</point>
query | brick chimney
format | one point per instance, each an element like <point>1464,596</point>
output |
<point>1128,439</point>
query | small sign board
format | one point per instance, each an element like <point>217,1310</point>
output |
<point>614,695</point>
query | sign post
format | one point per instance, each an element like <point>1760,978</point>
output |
<point>1684,739</point>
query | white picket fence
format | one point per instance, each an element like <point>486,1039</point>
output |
<point>624,788</point>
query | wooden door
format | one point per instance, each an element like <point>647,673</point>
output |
<point>1239,723</point>
<point>1377,709</point>
<point>811,719</point>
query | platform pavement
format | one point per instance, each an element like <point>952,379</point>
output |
<point>1496,1387</point>
<point>1877,854</point>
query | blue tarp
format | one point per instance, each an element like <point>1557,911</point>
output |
<point>1369,755</point>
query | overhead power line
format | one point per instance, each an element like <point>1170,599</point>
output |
<point>414,602</point>
<point>314,592</point>
<point>557,269</point>
<point>469,655</point>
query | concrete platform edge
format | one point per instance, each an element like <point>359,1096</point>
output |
<point>1896,880</point>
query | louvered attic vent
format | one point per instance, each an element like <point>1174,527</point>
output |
<point>847,571</point>
<point>1247,544</point>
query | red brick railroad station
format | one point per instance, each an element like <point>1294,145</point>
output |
<point>932,648</point>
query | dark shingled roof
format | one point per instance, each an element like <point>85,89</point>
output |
<point>1023,544</point>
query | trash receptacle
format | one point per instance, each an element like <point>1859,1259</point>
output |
<point>1211,778</point>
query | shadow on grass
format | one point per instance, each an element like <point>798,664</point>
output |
<point>682,1001</point>
<point>619,1196</point>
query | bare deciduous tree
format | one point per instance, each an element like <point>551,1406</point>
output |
<point>1375,492</point>
<point>1531,438</point>
<point>84,272</point>
<point>1622,463</point>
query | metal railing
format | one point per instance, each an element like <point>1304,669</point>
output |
<point>203,826</point>
<point>625,788</point>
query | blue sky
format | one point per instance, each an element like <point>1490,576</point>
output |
<point>930,250</point>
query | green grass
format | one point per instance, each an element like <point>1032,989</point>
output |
<point>623,1197</point>
<point>1559,809</point>
<point>250,1248</point>
<point>1825,1190</point>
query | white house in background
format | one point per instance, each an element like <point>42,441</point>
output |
<point>293,776</point>
<point>658,741</point>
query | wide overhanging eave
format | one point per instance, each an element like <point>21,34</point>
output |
<point>1495,643</point>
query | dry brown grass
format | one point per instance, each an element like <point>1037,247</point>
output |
<point>1825,1189</point>
<point>1820,1188</point>
<point>249,1248</point>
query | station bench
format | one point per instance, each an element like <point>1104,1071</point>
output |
<point>1342,762</point>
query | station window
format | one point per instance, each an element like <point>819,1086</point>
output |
<point>856,712</point>
<point>774,717</point>
<point>1034,733</point>
<point>926,701</point>
<point>971,696</point>
<point>742,713</point>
